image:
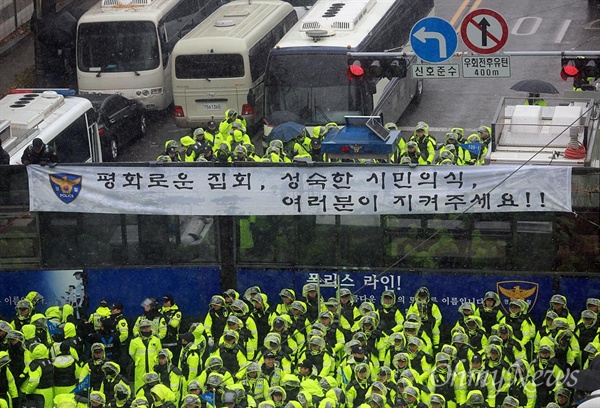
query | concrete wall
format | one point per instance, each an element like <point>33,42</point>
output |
<point>22,9</point>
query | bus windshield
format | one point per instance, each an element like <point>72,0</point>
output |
<point>315,96</point>
<point>121,46</point>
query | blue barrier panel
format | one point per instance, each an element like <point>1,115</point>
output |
<point>447,290</point>
<point>190,287</point>
<point>577,291</point>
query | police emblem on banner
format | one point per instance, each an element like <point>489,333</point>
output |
<point>66,186</point>
<point>511,290</point>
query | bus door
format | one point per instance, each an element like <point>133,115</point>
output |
<point>93,140</point>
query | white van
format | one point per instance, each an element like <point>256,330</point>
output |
<point>220,64</point>
<point>67,123</point>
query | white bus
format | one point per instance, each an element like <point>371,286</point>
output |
<point>124,46</point>
<point>67,123</point>
<point>220,64</point>
<point>306,78</point>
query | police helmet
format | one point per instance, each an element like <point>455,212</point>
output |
<point>198,132</point>
<point>459,131</point>
<point>559,299</point>
<point>97,397</point>
<point>194,385</point>
<point>483,130</point>
<point>240,149</point>
<point>300,306</point>
<point>4,358</point>
<point>345,292</point>
<point>379,386</point>
<point>512,401</point>
<point>250,149</point>
<point>593,302</point>
<point>217,301</point>
<point>228,397</point>
<point>474,138</point>
<point>377,400</point>
<point>214,380</point>
<point>191,399</point>
<point>139,402</point>
<point>475,397</point>
<point>412,391</point>
<point>437,399</point>
<point>451,136</point>
<point>253,368</point>
<point>150,378</point>
<point>446,155</point>
<point>15,335</point>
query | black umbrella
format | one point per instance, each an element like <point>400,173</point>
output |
<point>534,86</point>
<point>286,132</point>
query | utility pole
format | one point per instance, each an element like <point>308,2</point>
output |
<point>41,9</point>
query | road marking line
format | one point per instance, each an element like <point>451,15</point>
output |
<point>459,12</point>
<point>562,31</point>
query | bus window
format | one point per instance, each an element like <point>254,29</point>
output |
<point>133,47</point>
<point>178,19</point>
<point>209,66</point>
<point>72,144</point>
<point>315,95</point>
<point>258,57</point>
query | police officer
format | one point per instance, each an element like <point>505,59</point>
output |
<point>37,388</point>
<point>430,314</point>
<point>426,143</point>
<point>4,156</point>
<point>119,322</point>
<point>109,337</point>
<point>39,153</point>
<point>485,133</point>
<point>171,150</point>
<point>24,310</point>
<point>152,313</point>
<point>172,315</point>
<point>144,351</point>
<point>93,367</point>
<point>490,311</point>
<point>190,362</point>
<point>413,153</point>
<point>66,371</point>
<point>8,387</point>
<point>215,320</point>
<point>227,123</point>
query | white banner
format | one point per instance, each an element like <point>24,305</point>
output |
<point>262,190</point>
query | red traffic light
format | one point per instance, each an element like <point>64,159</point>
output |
<point>355,71</point>
<point>569,71</point>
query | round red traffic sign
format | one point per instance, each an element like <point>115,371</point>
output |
<point>484,31</point>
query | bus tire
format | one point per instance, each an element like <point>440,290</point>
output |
<point>418,92</point>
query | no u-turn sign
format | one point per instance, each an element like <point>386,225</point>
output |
<point>484,31</point>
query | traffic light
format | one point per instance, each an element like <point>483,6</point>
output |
<point>580,68</point>
<point>398,68</point>
<point>371,68</point>
<point>355,71</point>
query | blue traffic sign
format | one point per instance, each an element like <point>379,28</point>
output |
<point>433,39</point>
